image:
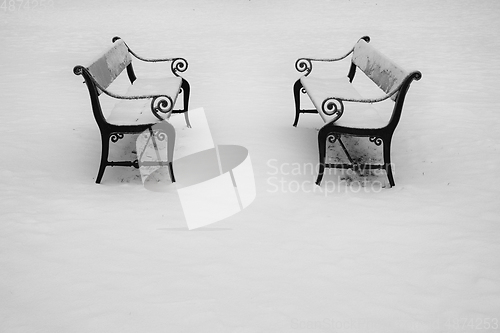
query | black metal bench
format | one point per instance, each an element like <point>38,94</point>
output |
<point>346,112</point>
<point>147,104</point>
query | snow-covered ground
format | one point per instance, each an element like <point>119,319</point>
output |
<point>115,257</point>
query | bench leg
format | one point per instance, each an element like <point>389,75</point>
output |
<point>387,161</point>
<point>296,95</point>
<point>186,93</point>
<point>322,135</point>
<point>171,171</point>
<point>104,157</point>
<point>169,131</point>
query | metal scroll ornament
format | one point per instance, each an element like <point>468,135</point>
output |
<point>161,106</point>
<point>376,140</point>
<point>159,135</point>
<point>333,137</point>
<point>303,65</point>
<point>179,65</point>
<point>333,106</point>
<point>116,136</point>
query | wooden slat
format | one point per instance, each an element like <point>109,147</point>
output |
<point>380,69</point>
<point>107,67</point>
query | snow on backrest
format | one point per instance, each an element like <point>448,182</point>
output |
<point>380,69</point>
<point>107,67</point>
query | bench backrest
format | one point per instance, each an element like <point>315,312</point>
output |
<point>108,66</point>
<point>380,69</point>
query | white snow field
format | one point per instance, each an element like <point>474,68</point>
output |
<point>420,257</point>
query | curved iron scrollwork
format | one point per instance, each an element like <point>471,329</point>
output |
<point>78,70</point>
<point>303,65</point>
<point>161,104</point>
<point>333,106</point>
<point>376,140</point>
<point>332,137</point>
<point>179,65</point>
<point>116,136</point>
<point>159,135</point>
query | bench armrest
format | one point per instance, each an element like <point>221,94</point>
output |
<point>334,106</point>
<point>160,104</point>
<point>391,94</point>
<point>178,65</point>
<point>363,100</point>
<point>306,64</point>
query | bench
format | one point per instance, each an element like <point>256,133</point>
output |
<point>346,112</point>
<point>148,102</point>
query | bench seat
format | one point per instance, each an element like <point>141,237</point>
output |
<point>138,111</point>
<point>359,115</point>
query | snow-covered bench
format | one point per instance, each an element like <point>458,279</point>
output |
<point>346,112</point>
<point>147,103</point>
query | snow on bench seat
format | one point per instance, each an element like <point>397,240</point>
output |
<point>360,115</point>
<point>138,111</point>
